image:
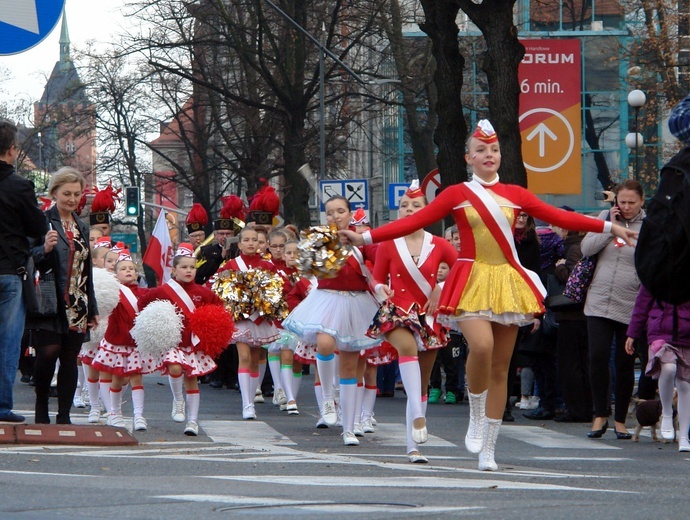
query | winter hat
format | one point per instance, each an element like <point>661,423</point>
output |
<point>359,218</point>
<point>679,121</point>
<point>197,218</point>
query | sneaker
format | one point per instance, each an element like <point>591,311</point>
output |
<point>533,403</point>
<point>78,402</point>
<point>321,424</point>
<point>140,424</point>
<point>329,413</point>
<point>292,409</point>
<point>248,412</point>
<point>192,429</point>
<point>259,396</point>
<point>357,430</point>
<point>368,426</point>
<point>668,431</point>
<point>434,395</point>
<point>178,411</point>
<point>450,398</point>
<point>101,406</point>
<point>524,401</point>
<point>94,415</point>
<point>350,439</point>
<point>683,445</point>
<point>116,420</point>
<point>373,419</point>
<point>279,397</point>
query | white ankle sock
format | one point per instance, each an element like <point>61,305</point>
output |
<point>192,407</point>
<point>176,386</point>
<point>138,400</point>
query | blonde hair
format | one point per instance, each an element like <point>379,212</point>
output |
<point>65,175</point>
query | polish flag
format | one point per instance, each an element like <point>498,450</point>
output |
<point>159,253</point>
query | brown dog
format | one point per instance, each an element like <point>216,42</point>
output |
<point>648,413</point>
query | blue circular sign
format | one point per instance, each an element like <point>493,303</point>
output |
<point>25,24</point>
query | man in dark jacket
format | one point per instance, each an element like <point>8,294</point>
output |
<point>20,219</point>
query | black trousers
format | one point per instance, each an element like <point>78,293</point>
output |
<point>602,332</point>
<point>226,369</point>
<point>573,364</point>
<point>452,359</point>
<point>51,346</point>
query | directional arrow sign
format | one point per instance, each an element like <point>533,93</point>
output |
<point>542,131</point>
<point>25,23</point>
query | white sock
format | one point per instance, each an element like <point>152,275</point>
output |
<point>683,407</point>
<point>368,402</point>
<point>286,380</point>
<point>115,399</point>
<point>85,371</point>
<point>93,388</point>
<point>412,445</point>
<point>348,402</point>
<point>319,395</point>
<point>296,384</point>
<point>81,378</point>
<point>192,408</point>
<point>412,380</point>
<point>359,399</point>
<point>176,386</point>
<point>667,380</point>
<point>262,373</point>
<point>275,367</point>
<point>244,381</point>
<point>104,393</point>
<point>254,381</point>
<point>327,370</point>
<point>138,400</point>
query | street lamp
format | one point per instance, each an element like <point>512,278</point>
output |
<point>636,100</point>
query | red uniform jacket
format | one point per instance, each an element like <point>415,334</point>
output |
<point>120,321</point>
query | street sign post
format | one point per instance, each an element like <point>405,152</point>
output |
<point>395,193</point>
<point>550,115</point>
<point>24,24</point>
<point>431,185</point>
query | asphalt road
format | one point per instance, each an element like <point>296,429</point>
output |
<point>281,466</point>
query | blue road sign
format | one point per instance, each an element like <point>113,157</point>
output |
<point>131,240</point>
<point>354,190</point>
<point>395,193</point>
<point>26,23</point>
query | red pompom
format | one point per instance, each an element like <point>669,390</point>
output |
<point>214,327</point>
<point>266,199</point>
<point>46,203</point>
<point>104,201</point>
<point>233,207</point>
<point>197,215</point>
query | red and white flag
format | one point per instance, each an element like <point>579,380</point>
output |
<point>159,253</point>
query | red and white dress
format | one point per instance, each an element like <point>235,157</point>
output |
<point>117,353</point>
<point>341,307</point>
<point>411,284</point>
<point>186,297</point>
<point>255,331</point>
<point>488,280</point>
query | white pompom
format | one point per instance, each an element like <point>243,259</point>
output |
<point>107,290</point>
<point>98,333</point>
<point>157,328</point>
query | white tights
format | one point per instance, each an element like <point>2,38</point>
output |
<point>667,381</point>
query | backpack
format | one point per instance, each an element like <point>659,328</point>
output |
<point>662,254</point>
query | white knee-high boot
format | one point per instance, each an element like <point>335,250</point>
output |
<point>486,456</point>
<point>474,440</point>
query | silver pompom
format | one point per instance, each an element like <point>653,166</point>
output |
<point>157,328</point>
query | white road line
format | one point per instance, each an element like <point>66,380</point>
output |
<point>583,459</point>
<point>253,434</point>
<point>406,482</point>
<point>36,473</point>
<point>393,434</point>
<point>545,438</point>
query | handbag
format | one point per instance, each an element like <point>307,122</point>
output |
<point>39,290</point>
<point>580,279</point>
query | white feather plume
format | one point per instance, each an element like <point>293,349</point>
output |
<point>107,291</point>
<point>157,328</point>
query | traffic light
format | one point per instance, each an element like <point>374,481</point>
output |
<point>132,201</point>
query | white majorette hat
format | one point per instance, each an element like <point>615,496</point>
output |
<point>485,132</point>
<point>185,249</point>
<point>125,255</point>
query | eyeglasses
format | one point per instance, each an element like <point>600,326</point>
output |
<point>523,215</point>
<point>277,246</point>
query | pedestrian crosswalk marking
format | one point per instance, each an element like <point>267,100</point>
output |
<point>545,438</point>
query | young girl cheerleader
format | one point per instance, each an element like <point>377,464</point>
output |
<point>337,315</point>
<point>407,268</point>
<point>117,354</point>
<point>488,291</point>
<point>184,364</point>
<point>276,247</point>
<point>667,328</point>
<point>250,334</point>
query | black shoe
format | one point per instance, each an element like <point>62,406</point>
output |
<point>622,436</point>
<point>508,417</point>
<point>53,392</point>
<point>540,414</point>
<point>25,378</point>
<point>12,418</point>
<point>569,418</point>
<point>216,384</point>
<point>596,434</point>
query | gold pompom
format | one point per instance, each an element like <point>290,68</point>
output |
<point>320,252</point>
<point>252,294</point>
